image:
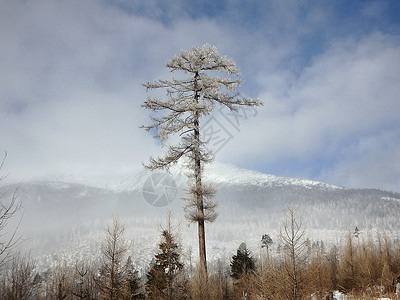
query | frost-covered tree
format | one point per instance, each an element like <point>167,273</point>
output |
<point>187,101</point>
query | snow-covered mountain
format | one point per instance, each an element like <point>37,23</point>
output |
<point>218,174</point>
<point>222,174</point>
<point>73,210</point>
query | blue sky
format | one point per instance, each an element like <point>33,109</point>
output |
<point>327,71</point>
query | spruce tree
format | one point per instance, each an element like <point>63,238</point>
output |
<point>242,263</point>
<point>132,280</point>
<point>166,280</point>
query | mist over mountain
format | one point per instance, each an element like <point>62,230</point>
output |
<point>68,211</point>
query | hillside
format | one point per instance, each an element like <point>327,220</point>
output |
<point>250,204</point>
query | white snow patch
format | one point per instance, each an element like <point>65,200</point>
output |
<point>230,174</point>
<point>390,199</point>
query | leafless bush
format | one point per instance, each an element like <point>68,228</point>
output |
<point>9,207</point>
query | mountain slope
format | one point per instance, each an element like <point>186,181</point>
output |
<point>250,204</point>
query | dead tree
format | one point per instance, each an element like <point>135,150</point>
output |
<point>292,235</point>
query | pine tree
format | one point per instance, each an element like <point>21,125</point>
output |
<point>166,280</point>
<point>242,269</point>
<point>187,102</point>
<point>242,263</point>
<point>266,241</point>
<point>356,232</point>
<point>132,280</point>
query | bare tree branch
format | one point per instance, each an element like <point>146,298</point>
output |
<point>8,209</point>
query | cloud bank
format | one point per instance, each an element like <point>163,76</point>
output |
<point>71,74</point>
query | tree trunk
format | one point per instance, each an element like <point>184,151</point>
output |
<point>293,254</point>
<point>200,206</point>
<point>198,187</point>
<point>202,247</point>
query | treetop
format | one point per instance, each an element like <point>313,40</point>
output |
<point>204,58</point>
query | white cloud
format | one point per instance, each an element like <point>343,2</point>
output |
<point>71,74</point>
<point>70,84</point>
<point>346,95</point>
<point>70,88</point>
<point>371,162</point>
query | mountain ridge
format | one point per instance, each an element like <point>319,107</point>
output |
<point>220,174</point>
<point>250,204</point>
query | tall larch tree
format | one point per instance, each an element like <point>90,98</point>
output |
<point>187,101</point>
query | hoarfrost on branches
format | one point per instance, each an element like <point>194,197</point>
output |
<point>187,101</point>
